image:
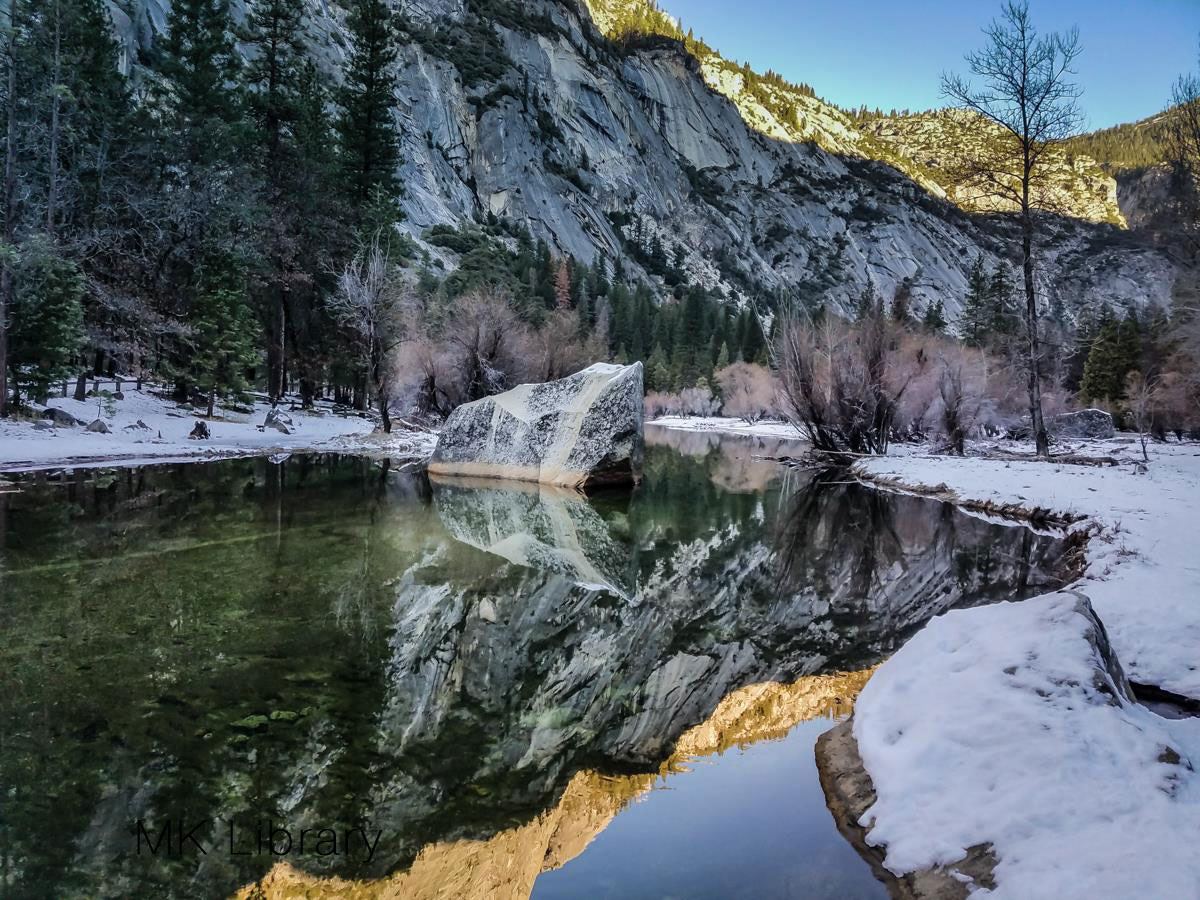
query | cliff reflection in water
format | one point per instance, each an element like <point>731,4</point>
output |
<point>326,642</point>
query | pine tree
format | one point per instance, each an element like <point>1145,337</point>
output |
<point>753,343</point>
<point>200,71</point>
<point>976,313</point>
<point>722,357</point>
<point>1107,364</point>
<point>369,144</point>
<point>934,320</point>
<point>1003,318</point>
<point>868,303</point>
<point>658,370</point>
<point>46,320</point>
<point>273,82</point>
<point>222,341</point>
<point>902,303</point>
<point>274,28</point>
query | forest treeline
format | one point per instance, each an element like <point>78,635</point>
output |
<point>192,223</point>
<point>218,215</point>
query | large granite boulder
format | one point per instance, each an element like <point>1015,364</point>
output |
<point>1086,424</point>
<point>581,431</point>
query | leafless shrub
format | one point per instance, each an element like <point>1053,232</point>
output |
<point>695,401</point>
<point>1139,395</point>
<point>748,391</point>
<point>556,350</point>
<point>840,381</point>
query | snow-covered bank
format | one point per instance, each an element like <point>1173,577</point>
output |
<point>1011,727</point>
<point>728,425</point>
<point>1006,728</point>
<point>146,427</point>
<point>1143,574</point>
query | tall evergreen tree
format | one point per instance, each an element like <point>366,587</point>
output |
<point>273,84</point>
<point>198,92</point>
<point>934,320</point>
<point>47,316</point>
<point>1003,317</point>
<point>1113,355</point>
<point>976,313</point>
<point>368,139</point>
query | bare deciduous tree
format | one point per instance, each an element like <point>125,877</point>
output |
<point>1024,90</point>
<point>1140,396</point>
<point>1183,154</point>
<point>370,304</point>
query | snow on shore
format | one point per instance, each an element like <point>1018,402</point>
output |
<point>728,426</point>
<point>1143,575</point>
<point>987,727</point>
<point>165,437</point>
<point>1001,725</point>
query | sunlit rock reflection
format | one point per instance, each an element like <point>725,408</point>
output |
<point>506,865</point>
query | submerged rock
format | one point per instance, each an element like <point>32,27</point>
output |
<point>579,431</point>
<point>1088,424</point>
<point>542,528</point>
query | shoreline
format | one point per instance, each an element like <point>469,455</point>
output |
<point>1017,748</point>
<point>147,428</point>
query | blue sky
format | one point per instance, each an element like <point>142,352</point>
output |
<point>890,53</point>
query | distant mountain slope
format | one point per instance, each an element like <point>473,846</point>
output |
<point>1132,145</point>
<point>918,145</point>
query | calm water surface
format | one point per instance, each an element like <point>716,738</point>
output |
<point>517,690</point>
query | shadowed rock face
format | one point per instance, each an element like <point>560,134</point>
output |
<point>438,691</point>
<point>581,431</point>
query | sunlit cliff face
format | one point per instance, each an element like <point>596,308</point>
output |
<point>507,864</point>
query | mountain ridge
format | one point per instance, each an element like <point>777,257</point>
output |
<point>621,148</point>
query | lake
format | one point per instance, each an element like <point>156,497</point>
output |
<point>348,678</point>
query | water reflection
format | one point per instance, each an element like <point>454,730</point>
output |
<point>539,526</point>
<point>324,643</point>
<point>518,862</point>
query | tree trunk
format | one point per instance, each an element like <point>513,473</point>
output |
<point>384,414</point>
<point>276,331</point>
<point>81,387</point>
<point>52,154</point>
<point>377,364</point>
<point>10,207</point>
<point>1036,422</point>
<point>212,403</point>
<point>360,391</point>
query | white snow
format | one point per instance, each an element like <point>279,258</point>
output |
<point>24,447</point>
<point>1143,574</point>
<point>765,428</point>
<point>987,727</point>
